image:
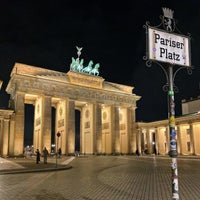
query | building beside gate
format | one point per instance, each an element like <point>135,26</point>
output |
<point>153,137</point>
<point>107,116</point>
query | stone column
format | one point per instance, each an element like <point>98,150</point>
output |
<point>139,141</point>
<point>115,129</point>
<point>192,147</point>
<point>133,131</point>
<point>38,124</point>
<point>5,137</point>
<point>142,140</point>
<point>19,124</point>
<point>71,127</point>
<point>61,125</point>
<point>179,144</point>
<point>167,134</point>
<point>196,136</point>
<point>124,130</point>
<point>157,141</point>
<point>97,129</point>
<point>46,121</point>
<point>1,136</point>
<point>149,142</point>
<point>107,130</point>
<point>12,135</point>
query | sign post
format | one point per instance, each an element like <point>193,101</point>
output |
<point>170,51</point>
<point>58,135</point>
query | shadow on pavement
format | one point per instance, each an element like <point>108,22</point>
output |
<point>28,165</point>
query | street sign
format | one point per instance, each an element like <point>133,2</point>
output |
<point>168,47</point>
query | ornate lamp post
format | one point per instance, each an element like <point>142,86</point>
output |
<point>172,50</point>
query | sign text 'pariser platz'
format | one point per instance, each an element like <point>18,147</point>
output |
<point>168,47</point>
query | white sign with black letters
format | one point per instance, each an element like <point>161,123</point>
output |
<point>168,47</point>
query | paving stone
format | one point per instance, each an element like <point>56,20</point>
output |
<point>101,178</point>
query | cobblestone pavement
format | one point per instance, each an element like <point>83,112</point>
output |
<point>105,178</point>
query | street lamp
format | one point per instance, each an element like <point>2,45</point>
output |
<point>58,135</point>
<point>172,50</point>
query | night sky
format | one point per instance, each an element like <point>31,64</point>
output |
<point>45,34</point>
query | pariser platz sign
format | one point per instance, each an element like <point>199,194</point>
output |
<point>167,47</point>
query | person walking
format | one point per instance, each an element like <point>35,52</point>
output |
<point>137,152</point>
<point>59,152</point>
<point>37,156</point>
<point>45,154</point>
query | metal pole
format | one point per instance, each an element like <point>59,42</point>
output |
<point>58,135</point>
<point>173,142</point>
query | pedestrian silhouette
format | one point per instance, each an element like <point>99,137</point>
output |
<point>37,156</point>
<point>137,152</point>
<point>59,152</point>
<point>45,154</point>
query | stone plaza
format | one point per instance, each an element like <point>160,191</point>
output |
<point>102,178</point>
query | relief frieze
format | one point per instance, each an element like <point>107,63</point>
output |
<point>105,126</point>
<point>60,123</point>
<point>122,126</point>
<point>87,125</point>
<point>75,92</point>
<point>38,121</point>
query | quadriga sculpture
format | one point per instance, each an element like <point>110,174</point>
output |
<point>88,68</point>
<point>95,70</point>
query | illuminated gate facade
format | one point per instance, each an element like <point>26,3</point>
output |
<point>107,111</point>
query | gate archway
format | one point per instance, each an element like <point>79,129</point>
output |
<point>107,110</point>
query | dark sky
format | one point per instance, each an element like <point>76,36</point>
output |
<point>111,33</point>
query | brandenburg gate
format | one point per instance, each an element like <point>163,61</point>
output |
<point>107,110</point>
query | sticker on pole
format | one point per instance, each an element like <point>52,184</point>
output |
<point>173,134</point>
<point>172,120</point>
<point>173,145</point>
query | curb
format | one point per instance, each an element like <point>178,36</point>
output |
<point>35,170</point>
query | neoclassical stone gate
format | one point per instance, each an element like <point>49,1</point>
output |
<point>107,111</point>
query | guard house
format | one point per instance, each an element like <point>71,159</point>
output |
<point>5,124</point>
